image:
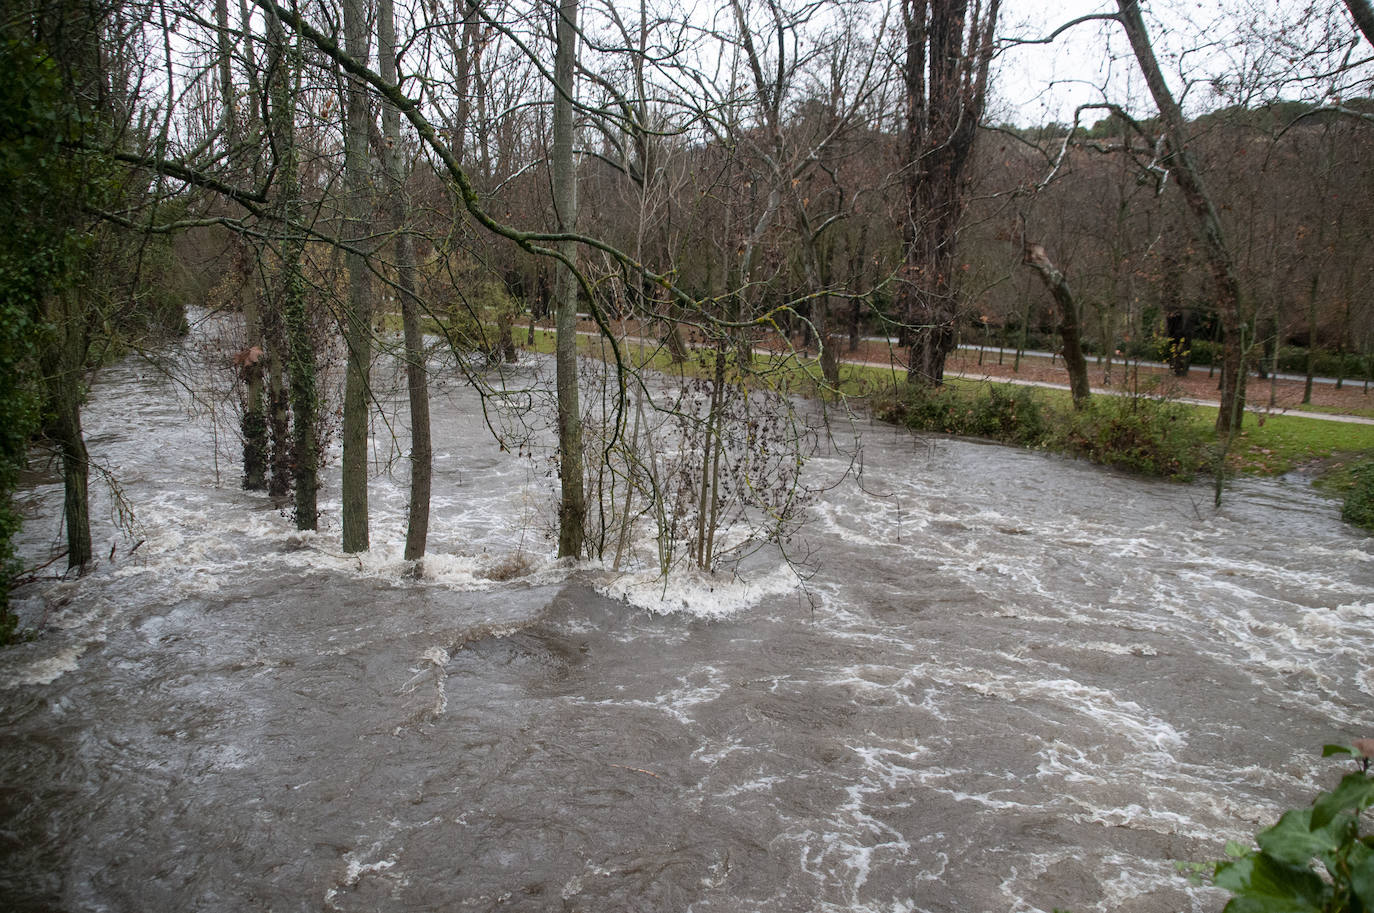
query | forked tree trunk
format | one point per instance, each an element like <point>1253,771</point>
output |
<point>1035,257</point>
<point>1189,179</point>
<point>946,77</point>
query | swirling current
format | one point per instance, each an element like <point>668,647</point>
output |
<point>1010,682</point>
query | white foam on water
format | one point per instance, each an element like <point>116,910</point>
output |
<point>357,869</point>
<point>696,593</point>
<point>1141,818</point>
<point>1120,881</point>
<point>711,755</point>
<point>47,670</point>
<point>760,784</point>
<point>678,702</point>
<point>1108,712</point>
<point>1120,649</point>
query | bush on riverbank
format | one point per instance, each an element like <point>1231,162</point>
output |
<point>1011,415</point>
<point>1359,500</point>
<point>1147,435</point>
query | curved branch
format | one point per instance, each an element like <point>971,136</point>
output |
<point>1048,39</point>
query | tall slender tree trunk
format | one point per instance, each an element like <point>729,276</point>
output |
<point>417,385</point>
<point>1189,179</point>
<point>64,373</point>
<point>358,310</point>
<point>573,506</point>
<point>280,475</point>
<point>71,32</point>
<point>253,423</point>
<point>300,351</point>
<point>821,317</point>
<point>1311,337</point>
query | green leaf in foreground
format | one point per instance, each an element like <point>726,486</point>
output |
<point>1281,875</point>
<point>1262,884</point>
<point>1355,792</point>
<point>1361,861</point>
<point>1294,840</point>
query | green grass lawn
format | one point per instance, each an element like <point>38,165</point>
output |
<point>1277,444</point>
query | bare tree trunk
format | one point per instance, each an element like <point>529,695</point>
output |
<point>821,318</point>
<point>253,423</point>
<point>1189,180</point>
<point>358,311</point>
<point>1363,14</point>
<point>301,372</point>
<point>945,75</point>
<point>1035,257</point>
<point>573,506</point>
<point>857,258</point>
<point>1311,337</point>
<point>417,385</point>
<point>64,373</point>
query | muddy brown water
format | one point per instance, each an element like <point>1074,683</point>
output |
<point>1017,683</point>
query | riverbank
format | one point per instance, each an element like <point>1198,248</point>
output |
<point>1022,684</point>
<point>1266,395</point>
<point>1273,440</point>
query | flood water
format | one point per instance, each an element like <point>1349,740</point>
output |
<point>1013,683</point>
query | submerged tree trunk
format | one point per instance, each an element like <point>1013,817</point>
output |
<point>1189,179</point>
<point>1036,258</point>
<point>64,374</point>
<point>358,311</point>
<point>302,391</point>
<point>278,406</point>
<point>573,506</point>
<point>417,385</point>
<point>253,422</point>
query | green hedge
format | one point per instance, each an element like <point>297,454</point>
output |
<point>1141,434</point>
<point>1359,501</point>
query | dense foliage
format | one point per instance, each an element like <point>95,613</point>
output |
<point>1147,435</point>
<point>1314,860</point>
<point>1359,500</point>
<point>36,253</point>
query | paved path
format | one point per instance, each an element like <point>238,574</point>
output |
<point>1100,391</point>
<point>1106,391</point>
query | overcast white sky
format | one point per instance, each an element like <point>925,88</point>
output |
<point>1195,40</point>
